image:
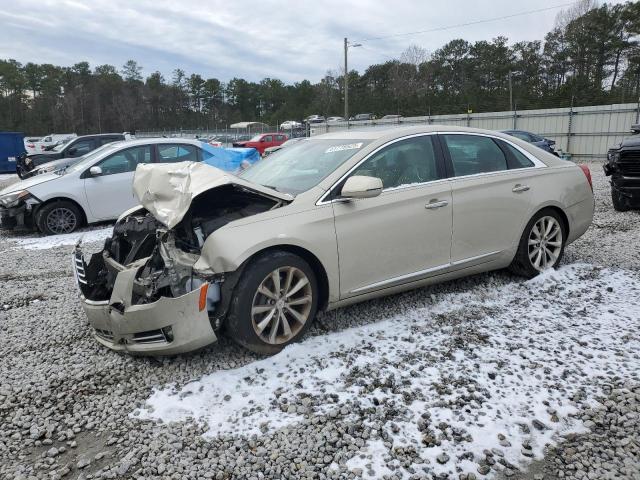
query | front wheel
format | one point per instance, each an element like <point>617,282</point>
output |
<point>58,217</point>
<point>274,303</point>
<point>541,246</point>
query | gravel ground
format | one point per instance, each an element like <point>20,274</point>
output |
<point>490,376</point>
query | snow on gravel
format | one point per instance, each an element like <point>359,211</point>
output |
<point>8,176</point>
<point>40,242</point>
<point>496,370</point>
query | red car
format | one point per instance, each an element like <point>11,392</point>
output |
<point>262,141</point>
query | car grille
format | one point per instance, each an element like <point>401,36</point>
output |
<point>78,267</point>
<point>152,336</point>
<point>629,163</point>
<point>105,334</point>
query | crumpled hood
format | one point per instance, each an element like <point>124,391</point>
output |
<point>166,190</point>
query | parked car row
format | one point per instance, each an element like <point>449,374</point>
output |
<point>97,186</point>
<point>326,222</point>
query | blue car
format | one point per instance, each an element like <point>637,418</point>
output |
<point>537,140</point>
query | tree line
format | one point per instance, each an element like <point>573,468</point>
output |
<point>591,56</point>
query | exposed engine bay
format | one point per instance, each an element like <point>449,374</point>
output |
<point>162,257</point>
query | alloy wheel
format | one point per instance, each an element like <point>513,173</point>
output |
<point>61,220</point>
<point>281,305</point>
<point>545,243</point>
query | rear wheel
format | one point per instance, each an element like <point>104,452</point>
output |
<point>59,217</point>
<point>541,245</point>
<point>274,303</point>
<point>619,202</point>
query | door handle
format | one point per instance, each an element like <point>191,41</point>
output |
<point>433,204</point>
<point>520,188</point>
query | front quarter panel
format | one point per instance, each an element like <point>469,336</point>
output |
<point>311,229</point>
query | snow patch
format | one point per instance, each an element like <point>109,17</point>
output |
<point>479,370</point>
<point>41,242</point>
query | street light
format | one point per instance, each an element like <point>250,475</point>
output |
<point>346,76</point>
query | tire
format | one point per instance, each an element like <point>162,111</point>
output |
<point>255,318</point>
<point>59,217</point>
<point>527,261</point>
<point>21,172</point>
<point>619,202</point>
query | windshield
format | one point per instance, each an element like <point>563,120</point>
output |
<point>303,165</point>
<point>256,138</point>
<point>61,145</point>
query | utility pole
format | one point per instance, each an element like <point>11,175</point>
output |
<point>346,76</point>
<point>510,93</point>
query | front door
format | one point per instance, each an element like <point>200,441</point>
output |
<point>402,235</point>
<point>110,193</point>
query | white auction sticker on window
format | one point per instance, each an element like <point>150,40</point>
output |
<point>339,148</point>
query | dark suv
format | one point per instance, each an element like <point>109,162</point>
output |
<point>623,166</point>
<point>74,148</point>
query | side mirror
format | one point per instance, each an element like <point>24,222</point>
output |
<point>360,186</point>
<point>95,171</point>
<point>550,142</point>
<point>262,139</point>
<point>72,151</point>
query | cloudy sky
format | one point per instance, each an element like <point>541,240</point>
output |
<point>290,40</point>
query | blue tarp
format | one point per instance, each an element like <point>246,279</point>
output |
<point>11,145</point>
<point>230,159</point>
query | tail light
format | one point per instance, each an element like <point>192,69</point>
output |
<point>31,145</point>
<point>587,173</point>
<point>202,300</point>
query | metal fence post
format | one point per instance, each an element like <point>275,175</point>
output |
<point>570,125</point>
<point>638,110</point>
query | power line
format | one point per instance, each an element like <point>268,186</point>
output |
<point>469,23</point>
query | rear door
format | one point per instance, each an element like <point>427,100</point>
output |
<point>111,193</point>
<point>492,195</point>
<point>403,234</point>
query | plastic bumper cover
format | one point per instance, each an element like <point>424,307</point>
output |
<point>166,327</point>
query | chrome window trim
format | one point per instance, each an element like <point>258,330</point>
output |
<point>536,164</point>
<point>322,201</point>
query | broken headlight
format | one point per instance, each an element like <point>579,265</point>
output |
<point>13,199</point>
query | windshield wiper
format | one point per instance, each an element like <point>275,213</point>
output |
<point>270,186</point>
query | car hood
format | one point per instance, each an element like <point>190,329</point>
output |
<point>167,190</point>
<point>29,182</point>
<point>57,164</point>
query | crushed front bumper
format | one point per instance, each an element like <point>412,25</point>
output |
<point>167,326</point>
<point>20,216</point>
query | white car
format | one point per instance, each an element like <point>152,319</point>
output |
<point>51,140</point>
<point>31,144</point>
<point>95,189</point>
<point>335,119</point>
<point>290,125</point>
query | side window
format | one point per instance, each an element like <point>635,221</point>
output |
<point>105,140</point>
<point>471,154</point>
<point>280,138</point>
<point>403,163</point>
<point>169,153</point>
<point>81,147</point>
<point>125,160</point>
<point>268,138</point>
<point>517,158</point>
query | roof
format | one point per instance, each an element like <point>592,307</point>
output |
<point>249,125</point>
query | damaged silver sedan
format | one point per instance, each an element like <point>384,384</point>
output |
<point>330,221</point>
